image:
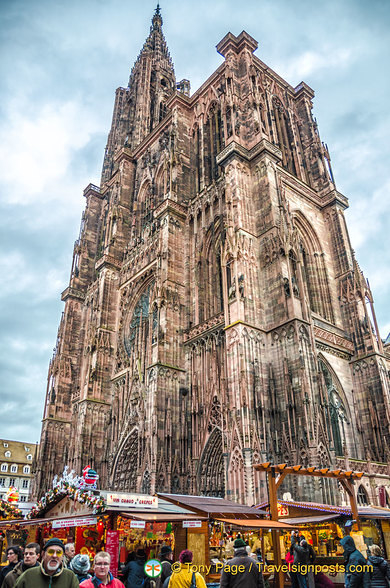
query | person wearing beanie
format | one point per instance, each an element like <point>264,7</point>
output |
<point>30,560</point>
<point>80,565</point>
<point>250,577</point>
<point>184,576</point>
<point>51,573</point>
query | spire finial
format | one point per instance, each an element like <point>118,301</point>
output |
<point>157,19</point>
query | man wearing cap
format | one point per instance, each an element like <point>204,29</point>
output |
<point>348,526</point>
<point>250,577</point>
<point>51,573</point>
<point>166,557</point>
<point>30,560</point>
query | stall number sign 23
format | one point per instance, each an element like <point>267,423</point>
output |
<point>282,510</point>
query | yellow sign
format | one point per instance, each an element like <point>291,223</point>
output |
<point>282,510</point>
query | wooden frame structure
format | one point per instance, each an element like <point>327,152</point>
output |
<point>275,476</point>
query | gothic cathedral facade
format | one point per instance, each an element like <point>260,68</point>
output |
<point>216,316</point>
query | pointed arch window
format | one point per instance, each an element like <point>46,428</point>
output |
<point>362,496</point>
<point>211,280</point>
<point>146,483</point>
<point>337,411</point>
<point>213,139</point>
<point>140,329</point>
<point>285,136</point>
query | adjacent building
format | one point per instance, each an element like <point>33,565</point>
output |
<point>16,468</point>
<point>216,315</point>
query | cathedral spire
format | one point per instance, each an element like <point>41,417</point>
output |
<point>141,106</point>
<point>157,20</point>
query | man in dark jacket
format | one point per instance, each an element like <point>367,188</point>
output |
<point>166,556</point>
<point>30,560</point>
<point>380,574</point>
<point>251,577</point>
<point>302,558</point>
<point>356,567</point>
<point>134,572</point>
<point>51,573</point>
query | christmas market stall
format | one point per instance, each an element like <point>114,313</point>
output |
<point>9,534</point>
<point>148,523</point>
<point>322,525</point>
<point>217,523</point>
<point>71,510</point>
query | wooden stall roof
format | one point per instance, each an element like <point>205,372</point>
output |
<point>211,506</point>
<point>30,522</point>
<point>161,517</point>
<point>313,519</point>
<point>257,523</point>
<point>317,512</point>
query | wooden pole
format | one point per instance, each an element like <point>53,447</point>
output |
<point>273,507</point>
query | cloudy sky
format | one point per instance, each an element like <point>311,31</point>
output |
<point>61,62</point>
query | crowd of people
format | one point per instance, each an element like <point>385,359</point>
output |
<point>58,566</point>
<point>373,572</point>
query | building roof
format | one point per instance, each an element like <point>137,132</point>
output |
<point>369,512</point>
<point>19,451</point>
<point>214,507</point>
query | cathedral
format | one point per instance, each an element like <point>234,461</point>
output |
<point>216,316</point>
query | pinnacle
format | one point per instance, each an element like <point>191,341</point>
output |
<point>157,20</point>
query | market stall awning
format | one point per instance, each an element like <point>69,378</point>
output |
<point>315,507</point>
<point>374,512</point>
<point>311,519</point>
<point>31,522</point>
<point>162,517</point>
<point>213,507</point>
<point>257,523</point>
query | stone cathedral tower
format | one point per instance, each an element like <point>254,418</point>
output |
<point>216,316</point>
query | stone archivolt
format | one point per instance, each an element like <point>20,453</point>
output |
<point>216,316</point>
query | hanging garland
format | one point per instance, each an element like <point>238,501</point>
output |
<point>8,511</point>
<point>67,486</point>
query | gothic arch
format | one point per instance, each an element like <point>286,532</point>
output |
<point>210,273</point>
<point>237,475</point>
<point>362,496</point>
<point>339,413</point>
<point>285,134</point>
<point>125,468</point>
<point>144,204</point>
<point>161,179</point>
<point>211,471</point>
<point>313,268</point>
<point>213,140</point>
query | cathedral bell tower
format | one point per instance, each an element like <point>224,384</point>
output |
<point>141,106</point>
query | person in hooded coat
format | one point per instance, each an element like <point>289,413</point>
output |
<point>353,561</point>
<point>134,571</point>
<point>380,575</point>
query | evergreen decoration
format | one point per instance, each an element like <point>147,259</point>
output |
<point>67,486</point>
<point>8,511</point>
